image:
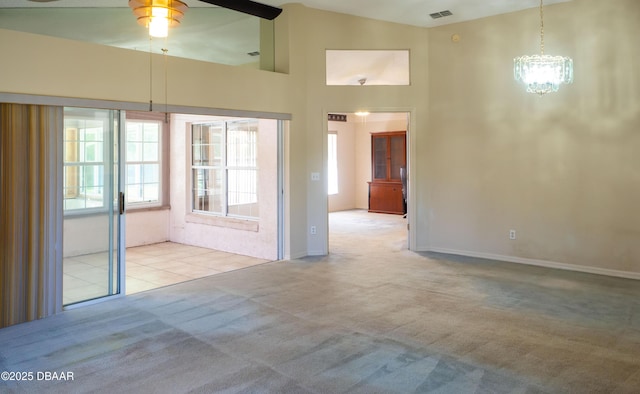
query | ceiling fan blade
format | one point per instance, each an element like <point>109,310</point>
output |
<point>248,7</point>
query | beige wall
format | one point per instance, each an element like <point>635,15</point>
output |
<point>562,170</point>
<point>316,31</point>
<point>47,66</point>
<point>485,156</point>
<point>34,64</point>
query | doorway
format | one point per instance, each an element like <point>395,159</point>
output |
<point>350,171</point>
<point>217,204</point>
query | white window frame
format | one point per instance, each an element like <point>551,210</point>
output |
<point>82,164</point>
<point>159,162</point>
<point>223,190</point>
<point>332,163</point>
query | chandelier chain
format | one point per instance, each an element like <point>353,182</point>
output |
<point>541,30</point>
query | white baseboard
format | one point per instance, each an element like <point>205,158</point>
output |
<point>540,263</point>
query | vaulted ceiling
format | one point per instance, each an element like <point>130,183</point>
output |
<point>216,34</point>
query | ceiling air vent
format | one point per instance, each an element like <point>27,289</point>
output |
<point>254,53</point>
<point>440,14</point>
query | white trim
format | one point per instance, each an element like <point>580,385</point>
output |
<point>134,205</point>
<point>122,218</point>
<point>330,177</point>
<point>19,98</point>
<point>93,301</point>
<point>412,180</point>
<point>281,190</point>
<point>540,263</point>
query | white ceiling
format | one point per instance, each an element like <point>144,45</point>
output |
<point>219,35</point>
<point>410,12</point>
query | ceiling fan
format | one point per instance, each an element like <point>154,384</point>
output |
<point>245,6</point>
<point>248,7</point>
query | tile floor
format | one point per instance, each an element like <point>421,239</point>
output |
<point>147,267</point>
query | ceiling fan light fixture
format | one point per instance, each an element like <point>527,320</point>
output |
<point>158,15</point>
<point>158,23</point>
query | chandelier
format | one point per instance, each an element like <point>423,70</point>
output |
<point>158,15</point>
<point>543,73</point>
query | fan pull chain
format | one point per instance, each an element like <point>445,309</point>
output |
<point>166,82</point>
<point>541,30</point>
<point>150,76</point>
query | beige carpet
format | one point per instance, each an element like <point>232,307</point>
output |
<point>371,317</point>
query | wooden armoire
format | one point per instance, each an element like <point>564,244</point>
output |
<point>388,156</point>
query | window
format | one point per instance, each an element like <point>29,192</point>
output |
<point>332,171</point>
<point>367,67</point>
<point>89,147</point>
<point>84,163</point>
<point>143,162</point>
<point>224,168</point>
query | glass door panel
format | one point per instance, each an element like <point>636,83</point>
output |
<point>92,217</point>
<point>397,156</point>
<point>379,157</point>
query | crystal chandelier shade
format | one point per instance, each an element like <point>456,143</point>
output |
<point>543,73</point>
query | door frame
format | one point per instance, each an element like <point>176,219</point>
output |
<point>117,242</point>
<point>410,163</point>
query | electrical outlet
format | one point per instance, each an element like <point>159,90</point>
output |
<point>315,176</point>
<point>512,234</point>
<point>313,230</point>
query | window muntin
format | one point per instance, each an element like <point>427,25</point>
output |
<point>224,168</point>
<point>143,164</point>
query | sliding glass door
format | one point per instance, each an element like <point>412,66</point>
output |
<point>93,247</point>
